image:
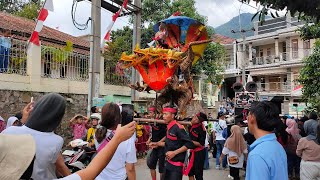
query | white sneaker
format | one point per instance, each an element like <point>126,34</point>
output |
<point>230,177</point>
<point>217,167</point>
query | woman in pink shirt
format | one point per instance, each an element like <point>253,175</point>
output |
<point>79,126</point>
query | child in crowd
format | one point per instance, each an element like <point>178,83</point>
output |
<point>95,119</point>
<point>79,125</point>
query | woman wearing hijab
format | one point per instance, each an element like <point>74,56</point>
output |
<point>291,147</point>
<point>44,119</point>
<point>13,121</point>
<point>236,149</point>
<point>309,150</point>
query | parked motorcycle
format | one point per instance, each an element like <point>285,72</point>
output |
<point>79,156</point>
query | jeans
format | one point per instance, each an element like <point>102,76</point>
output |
<point>220,145</point>
<point>4,59</point>
<point>206,159</point>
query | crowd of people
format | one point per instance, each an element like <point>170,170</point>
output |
<point>267,147</point>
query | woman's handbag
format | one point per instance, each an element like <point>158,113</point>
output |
<point>233,160</point>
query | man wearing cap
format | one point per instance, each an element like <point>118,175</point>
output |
<point>197,133</point>
<point>158,134</point>
<point>176,144</point>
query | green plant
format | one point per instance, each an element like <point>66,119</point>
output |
<point>309,78</point>
<point>58,55</point>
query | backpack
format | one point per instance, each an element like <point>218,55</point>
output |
<point>225,133</point>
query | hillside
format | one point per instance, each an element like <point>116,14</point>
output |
<point>233,24</point>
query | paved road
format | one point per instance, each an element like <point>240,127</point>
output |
<point>210,174</point>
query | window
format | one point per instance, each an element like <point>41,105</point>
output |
<point>268,58</point>
<point>260,59</point>
<point>306,47</point>
<point>295,48</point>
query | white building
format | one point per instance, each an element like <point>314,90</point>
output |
<point>273,58</point>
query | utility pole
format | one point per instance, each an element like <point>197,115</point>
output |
<point>95,53</point>
<point>136,40</point>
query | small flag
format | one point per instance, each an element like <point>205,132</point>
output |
<point>43,14</point>
<point>114,18</point>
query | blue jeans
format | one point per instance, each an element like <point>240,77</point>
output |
<point>206,159</point>
<point>220,145</point>
<point>4,58</point>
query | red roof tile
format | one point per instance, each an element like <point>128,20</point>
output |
<point>218,38</point>
<point>48,36</point>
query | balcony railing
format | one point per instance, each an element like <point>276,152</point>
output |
<point>283,57</point>
<point>274,87</point>
<point>13,57</point>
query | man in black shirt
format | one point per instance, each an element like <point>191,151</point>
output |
<point>197,133</point>
<point>158,134</point>
<point>176,144</point>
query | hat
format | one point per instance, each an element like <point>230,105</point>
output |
<point>16,155</point>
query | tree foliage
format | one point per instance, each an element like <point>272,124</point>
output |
<point>23,8</point>
<point>309,78</point>
<point>121,41</point>
<point>211,64</point>
<point>29,11</point>
<point>154,11</point>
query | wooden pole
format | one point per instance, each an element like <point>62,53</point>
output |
<point>144,120</point>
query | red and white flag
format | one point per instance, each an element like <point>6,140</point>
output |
<point>43,14</point>
<point>114,18</point>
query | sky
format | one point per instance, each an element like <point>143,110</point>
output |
<point>217,11</point>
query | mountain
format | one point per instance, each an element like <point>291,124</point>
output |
<point>233,24</point>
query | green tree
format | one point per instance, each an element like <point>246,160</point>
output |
<point>309,78</point>
<point>29,10</point>
<point>121,41</point>
<point>24,8</point>
<point>212,63</point>
<point>11,6</point>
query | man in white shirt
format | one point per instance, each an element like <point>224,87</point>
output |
<point>218,128</point>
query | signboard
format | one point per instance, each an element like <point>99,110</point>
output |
<point>99,102</point>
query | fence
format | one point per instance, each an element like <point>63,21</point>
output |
<point>274,87</point>
<point>114,75</point>
<point>13,56</point>
<point>57,63</point>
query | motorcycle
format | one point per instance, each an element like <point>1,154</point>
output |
<point>79,156</point>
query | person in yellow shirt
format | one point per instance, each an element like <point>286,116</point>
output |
<point>95,119</point>
<point>139,141</point>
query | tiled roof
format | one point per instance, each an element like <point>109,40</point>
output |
<point>218,38</point>
<point>22,28</point>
